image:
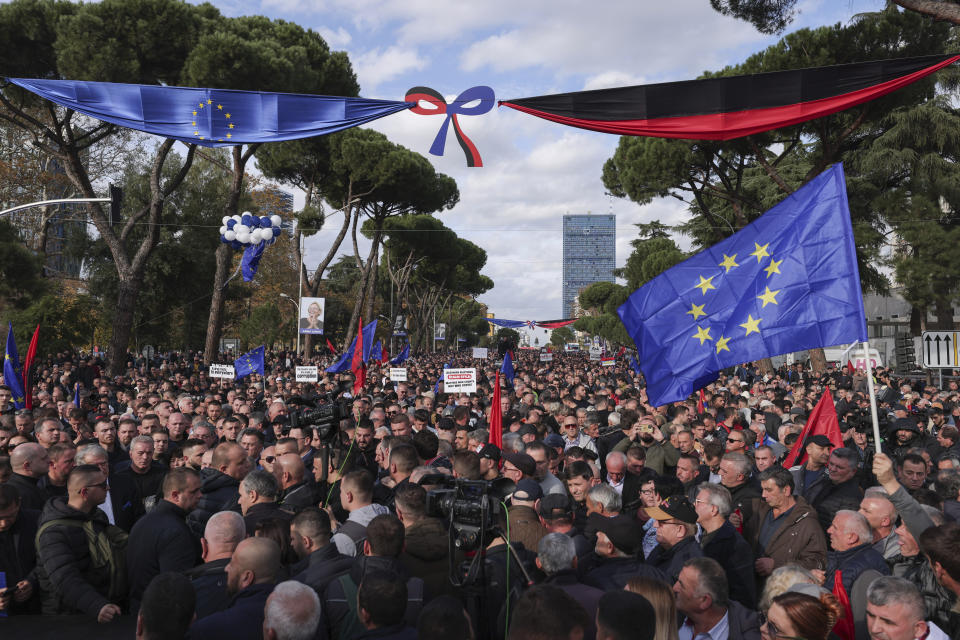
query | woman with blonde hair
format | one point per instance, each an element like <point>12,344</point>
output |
<point>661,596</point>
<point>804,611</point>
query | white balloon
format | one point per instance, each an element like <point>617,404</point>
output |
<point>230,235</point>
<point>246,213</point>
<point>255,236</point>
<point>241,228</point>
<point>223,229</point>
<point>266,233</point>
<point>236,219</point>
<point>225,218</point>
<point>276,220</point>
<point>244,237</point>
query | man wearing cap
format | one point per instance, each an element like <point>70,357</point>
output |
<point>806,478</point>
<point>618,543</point>
<point>517,466</point>
<point>676,527</point>
<point>525,526</point>
<point>556,515</point>
<point>489,462</point>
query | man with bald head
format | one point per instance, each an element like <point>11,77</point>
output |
<point>67,581</point>
<point>296,493</point>
<point>30,462</point>
<point>251,574</point>
<point>229,465</point>
<point>224,531</point>
<point>882,516</point>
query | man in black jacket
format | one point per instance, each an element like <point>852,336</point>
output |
<point>68,580</point>
<point>703,601</point>
<point>18,555</point>
<point>676,528</point>
<point>224,531</point>
<point>721,542</point>
<point>618,543</point>
<point>320,561</point>
<point>161,540</point>
<point>30,462</point>
<point>841,490</point>
<point>229,465</point>
<point>123,504</point>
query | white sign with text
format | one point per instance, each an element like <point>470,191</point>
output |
<point>307,374</point>
<point>222,371</point>
<point>460,380</point>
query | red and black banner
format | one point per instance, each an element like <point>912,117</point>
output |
<point>731,107</point>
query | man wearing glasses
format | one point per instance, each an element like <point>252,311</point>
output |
<point>676,523</point>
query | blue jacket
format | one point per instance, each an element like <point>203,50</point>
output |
<point>851,563</point>
<point>243,620</point>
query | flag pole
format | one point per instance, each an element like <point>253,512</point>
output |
<point>873,396</point>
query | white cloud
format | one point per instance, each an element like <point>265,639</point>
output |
<point>609,79</point>
<point>337,39</point>
<point>380,65</point>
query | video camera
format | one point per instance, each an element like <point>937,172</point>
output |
<point>471,506</point>
<point>326,418</point>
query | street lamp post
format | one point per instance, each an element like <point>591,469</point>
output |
<point>296,324</point>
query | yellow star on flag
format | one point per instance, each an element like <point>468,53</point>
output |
<point>230,125</point>
<point>704,284</point>
<point>229,135</point>
<point>196,133</point>
<point>194,123</point>
<point>209,101</point>
<point>773,267</point>
<point>227,116</point>
<point>728,262</point>
<point>194,113</point>
<point>722,344</point>
<point>760,252</point>
<point>768,297</point>
<point>703,334</point>
<point>696,310</point>
<point>220,106</point>
<point>751,325</point>
<point>201,105</point>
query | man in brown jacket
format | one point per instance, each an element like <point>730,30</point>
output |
<point>525,525</point>
<point>784,528</point>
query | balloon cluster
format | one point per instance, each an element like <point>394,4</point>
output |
<point>247,229</point>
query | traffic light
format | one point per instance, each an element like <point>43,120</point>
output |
<point>906,356</point>
<point>116,200</point>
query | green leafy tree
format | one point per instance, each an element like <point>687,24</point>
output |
<point>508,337</point>
<point>67,321</point>
<point>265,325</point>
<point>21,280</point>
<point>561,336</point>
<point>773,16</point>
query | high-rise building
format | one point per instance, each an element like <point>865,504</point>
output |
<point>589,254</point>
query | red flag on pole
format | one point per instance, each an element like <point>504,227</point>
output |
<point>844,625</point>
<point>27,362</point>
<point>700,402</point>
<point>356,365</point>
<point>383,356</point>
<point>330,346</point>
<point>496,416</point>
<point>822,421</point>
<point>621,351</point>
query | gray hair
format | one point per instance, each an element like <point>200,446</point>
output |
<point>262,482</point>
<point>141,440</point>
<point>718,496</point>
<point>556,552</point>
<point>890,589</point>
<point>513,442</point>
<point>88,451</point>
<point>857,523</point>
<point>615,455</point>
<point>935,514</point>
<point>606,496</point>
<point>613,419</point>
<point>292,611</point>
<point>782,579</point>
<point>480,435</point>
<point>849,456</point>
<point>712,580</point>
<point>741,461</point>
<point>225,528</point>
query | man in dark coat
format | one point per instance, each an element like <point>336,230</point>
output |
<point>618,543</point>
<point>703,601</point>
<point>69,582</point>
<point>320,561</point>
<point>123,503</point>
<point>258,500</point>
<point>251,574</point>
<point>676,528</point>
<point>161,541</point>
<point>18,554</point>
<point>296,493</point>
<point>853,554</point>
<point>220,488</point>
<point>557,558</point>
<point>721,542</point>
<point>30,462</point>
<point>841,491</point>
<point>145,472</point>
<point>426,551</point>
<point>224,531</point>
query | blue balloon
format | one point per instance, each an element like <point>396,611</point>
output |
<point>222,239</point>
<point>246,219</point>
<point>271,240</point>
<point>265,221</point>
<point>276,231</point>
<point>230,223</point>
<point>236,244</point>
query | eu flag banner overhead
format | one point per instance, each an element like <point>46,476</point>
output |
<point>212,117</point>
<point>248,363</point>
<point>402,357</point>
<point>12,375</point>
<point>788,281</point>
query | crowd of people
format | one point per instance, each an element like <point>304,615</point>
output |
<point>268,508</point>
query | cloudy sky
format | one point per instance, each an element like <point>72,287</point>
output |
<point>534,171</point>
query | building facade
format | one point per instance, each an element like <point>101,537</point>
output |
<point>589,254</point>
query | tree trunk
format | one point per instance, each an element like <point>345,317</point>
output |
<point>916,320</point>
<point>944,312</point>
<point>214,319</point>
<point>818,360</point>
<point>361,293</point>
<point>766,366</point>
<point>224,255</point>
<point>129,289</point>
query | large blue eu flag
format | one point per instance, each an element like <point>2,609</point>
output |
<point>11,370</point>
<point>786,282</point>
<point>248,363</point>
